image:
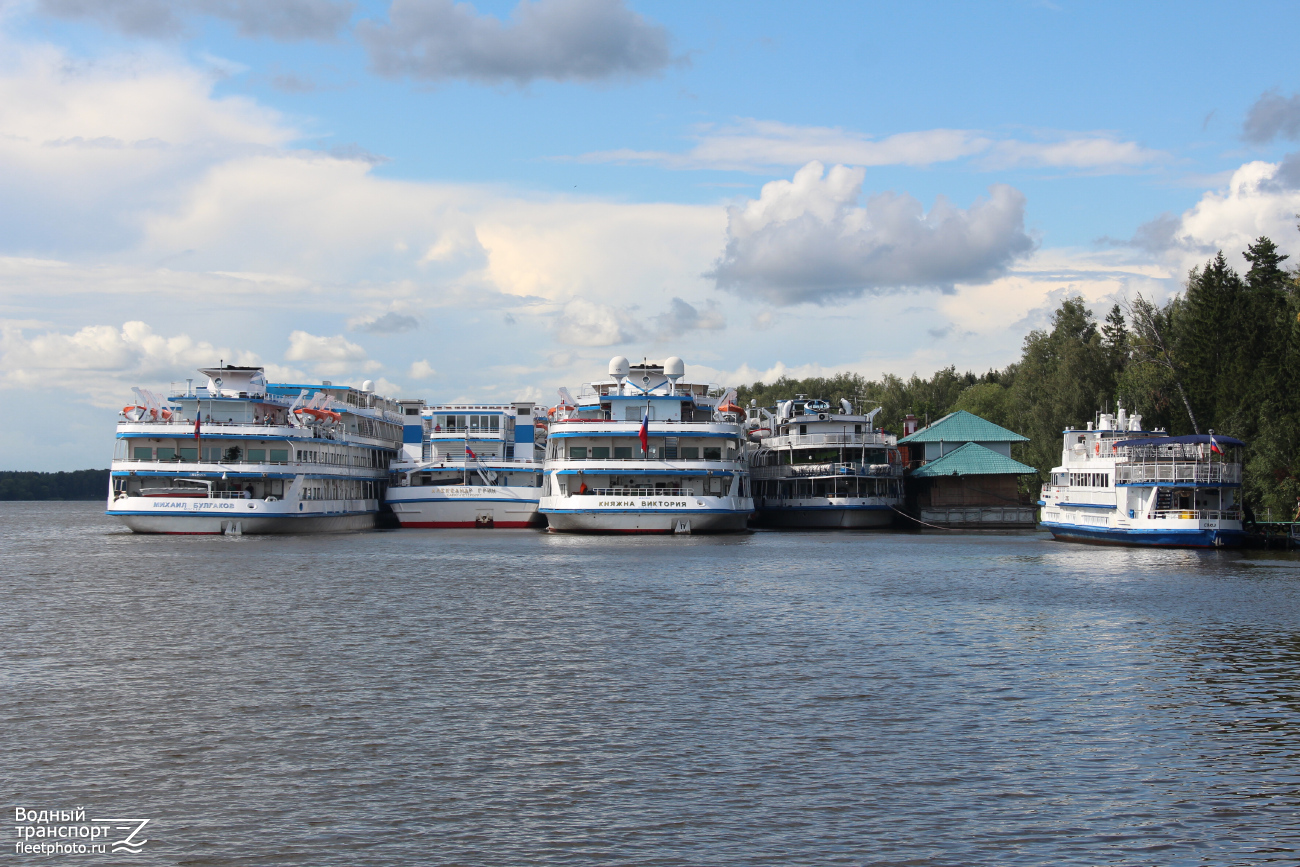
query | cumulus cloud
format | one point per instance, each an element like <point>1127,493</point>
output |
<point>1271,116</point>
<point>421,370</point>
<point>390,323</point>
<point>329,356</point>
<point>561,40</point>
<point>285,20</point>
<point>102,362</point>
<point>808,240</point>
<point>754,145</point>
<point>585,323</point>
<point>682,317</point>
<point>1261,199</point>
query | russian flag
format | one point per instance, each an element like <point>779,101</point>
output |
<point>645,432</point>
<point>197,417</point>
<point>1214,445</point>
<point>470,452</point>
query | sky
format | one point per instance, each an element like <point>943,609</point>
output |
<point>483,202</point>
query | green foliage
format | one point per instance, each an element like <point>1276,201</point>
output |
<point>78,485</point>
<point>1222,356</point>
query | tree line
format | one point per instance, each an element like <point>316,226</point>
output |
<point>1223,355</point>
<point>76,485</point>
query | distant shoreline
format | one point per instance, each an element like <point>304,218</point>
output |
<point>20,485</point>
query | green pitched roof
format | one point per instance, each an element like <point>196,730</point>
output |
<point>963,427</point>
<point>972,459</point>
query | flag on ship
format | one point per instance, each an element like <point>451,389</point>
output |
<point>1214,444</point>
<point>197,417</point>
<point>645,432</point>
<point>470,452</point>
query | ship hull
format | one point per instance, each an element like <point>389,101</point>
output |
<point>1191,537</point>
<point>562,517</point>
<point>243,525</point>
<point>498,508</point>
<point>827,517</point>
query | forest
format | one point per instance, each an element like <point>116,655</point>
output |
<point>77,485</point>
<point>1222,355</point>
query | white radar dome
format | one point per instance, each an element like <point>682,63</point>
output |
<point>368,385</point>
<point>674,367</point>
<point>619,367</point>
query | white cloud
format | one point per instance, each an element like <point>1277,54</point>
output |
<point>757,145</point>
<point>1082,152</point>
<point>808,240</point>
<point>584,323</point>
<point>421,370</point>
<point>329,356</point>
<point>391,322</point>
<point>102,362</point>
<point>561,40</point>
<point>1260,198</point>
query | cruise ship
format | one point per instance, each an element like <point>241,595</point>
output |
<point>817,468</point>
<point>240,455</point>
<point>469,465</point>
<point>1121,485</point>
<point>645,452</point>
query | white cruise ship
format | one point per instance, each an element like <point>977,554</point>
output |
<point>469,465</point>
<point>1118,484</point>
<point>241,455</point>
<point>813,467</point>
<point>644,452</point>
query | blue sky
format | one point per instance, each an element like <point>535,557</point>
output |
<point>487,201</point>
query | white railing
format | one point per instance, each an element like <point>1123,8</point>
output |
<point>1197,515</point>
<point>787,471</point>
<point>869,438</point>
<point>1205,473</point>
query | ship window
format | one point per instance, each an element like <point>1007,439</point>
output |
<point>577,453</point>
<point>495,422</point>
<point>712,454</point>
<point>257,455</point>
<point>690,453</point>
<point>190,455</point>
<point>600,453</point>
<point>857,428</point>
<point>622,453</point>
<point>803,429</point>
<point>166,454</point>
<point>142,453</point>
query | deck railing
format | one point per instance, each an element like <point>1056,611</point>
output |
<point>867,438</point>
<point>1207,472</point>
<point>792,471</point>
<point>1197,515</point>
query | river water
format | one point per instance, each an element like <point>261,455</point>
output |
<point>514,697</point>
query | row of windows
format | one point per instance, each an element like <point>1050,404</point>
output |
<point>626,453</point>
<point>453,423</point>
<point>797,489</point>
<point>1082,480</point>
<point>233,454</point>
<point>342,490</point>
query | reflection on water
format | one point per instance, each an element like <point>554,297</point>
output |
<point>503,697</point>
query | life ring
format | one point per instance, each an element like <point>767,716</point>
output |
<point>1098,448</point>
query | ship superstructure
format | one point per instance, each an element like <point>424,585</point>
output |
<point>1119,484</point>
<point>241,455</point>
<point>814,466</point>
<point>646,452</point>
<point>469,465</point>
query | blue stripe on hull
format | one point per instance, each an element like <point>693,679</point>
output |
<point>1148,538</point>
